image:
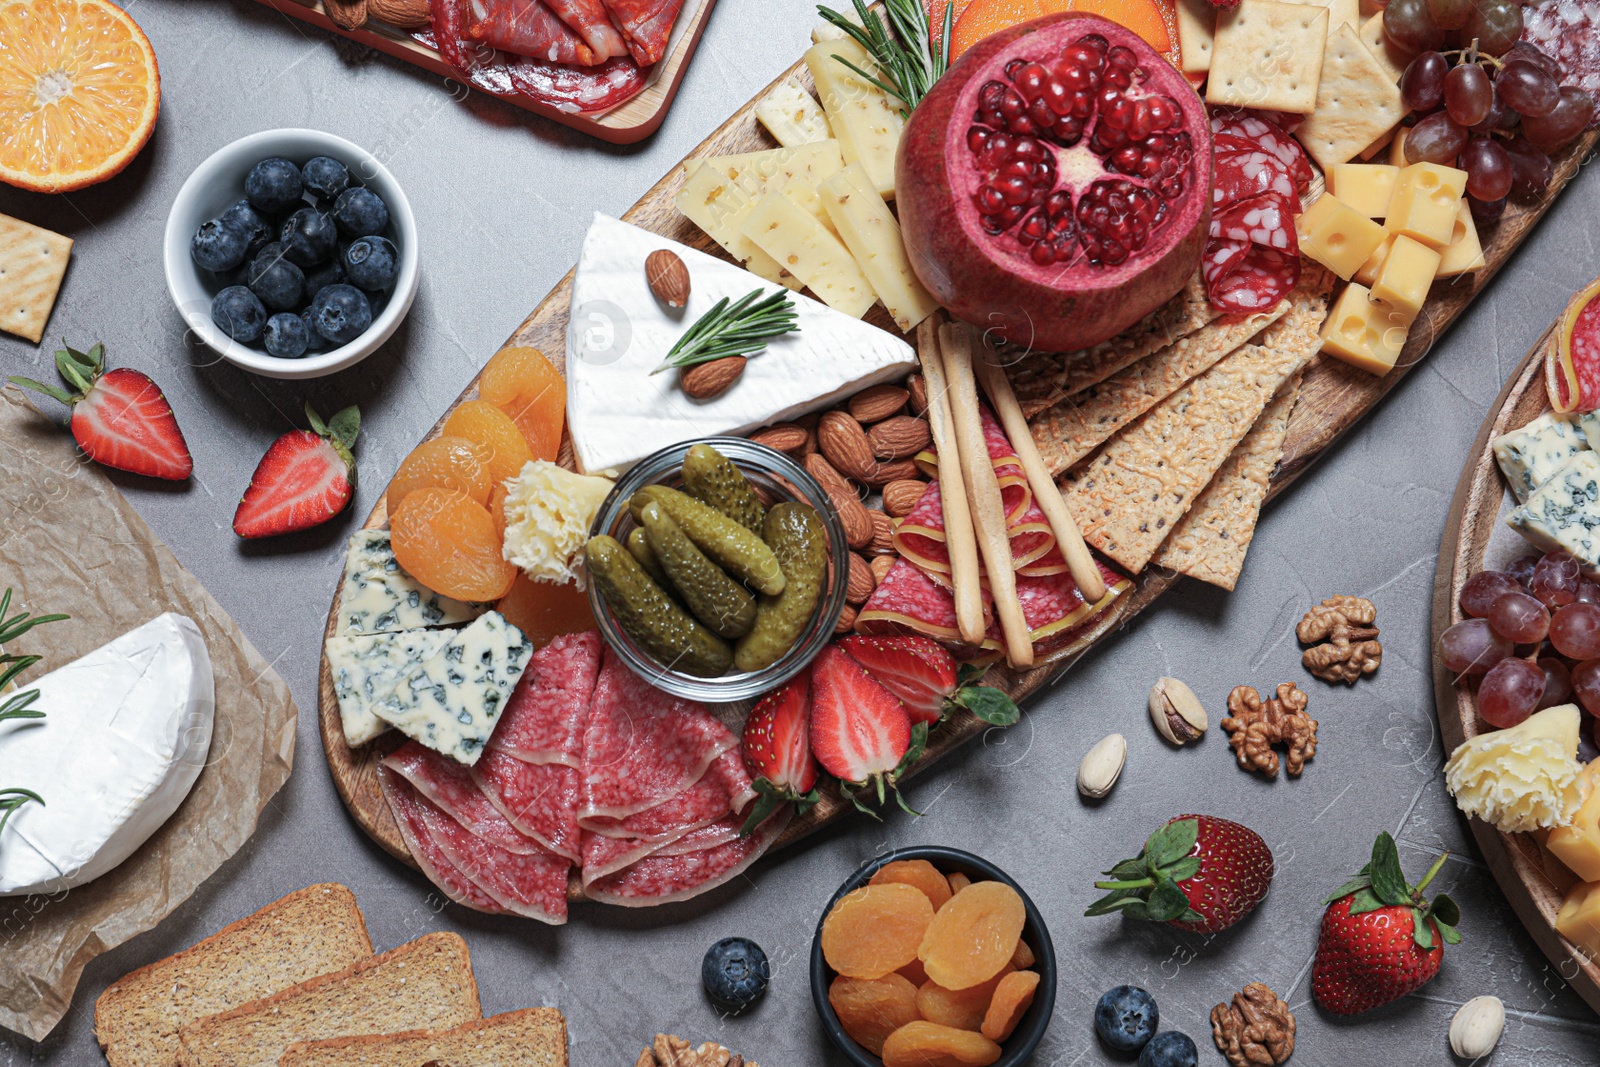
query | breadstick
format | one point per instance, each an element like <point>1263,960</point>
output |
<point>1085,574</point>
<point>983,491</point>
<point>958,535</point>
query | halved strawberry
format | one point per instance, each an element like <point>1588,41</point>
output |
<point>923,674</point>
<point>860,731</point>
<point>306,478</point>
<point>777,751</point>
<point>119,417</point>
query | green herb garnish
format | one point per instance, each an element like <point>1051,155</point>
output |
<point>741,328</point>
<point>18,705</point>
<point>908,56</point>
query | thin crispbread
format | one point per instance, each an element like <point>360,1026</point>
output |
<point>532,1037</point>
<point>33,261</point>
<point>1210,542</point>
<point>307,933</point>
<point>426,983</point>
<point>1078,425</point>
<point>1043,379</point>
<point>1127,498</point>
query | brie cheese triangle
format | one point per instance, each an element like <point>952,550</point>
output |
<point>126,734</point>
<point>618,332</point>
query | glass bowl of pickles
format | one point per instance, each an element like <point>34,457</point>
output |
<point>717,569</point>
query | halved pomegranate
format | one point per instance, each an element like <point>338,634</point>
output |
<point>1055,186</point>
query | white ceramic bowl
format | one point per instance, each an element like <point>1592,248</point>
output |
<point>219,182</point>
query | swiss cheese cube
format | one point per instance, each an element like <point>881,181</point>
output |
<point>1406,275</point>
<point>1366,187</point>
<point>1369,269</point>
<point>1337,236</point>
<point>1397,147</point>
<point>1464,253</point>
<point>1578,843</point>
<point>865,120</point>
<point>807,249</point>
<point>1579,918</point>
<point>1363,332</point>
<point>1425,202</point>
<point>868,228</point>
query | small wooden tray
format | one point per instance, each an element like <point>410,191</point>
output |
<point>628,122</point>
<point>1533,883</point>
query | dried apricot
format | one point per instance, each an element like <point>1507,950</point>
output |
<point>1022,956</point>
<point>958,882</point>
<point>480,421</point>
<point>448,542</point>
<point>870,1009</point>
<point>919,873</point>
<point>497,509</point>
<point>449,462</point>
<point>973,936</point>
<point>544,611</point>
<point>961,1008</point>
<point>914,973</point>
<point>1011,998</point>
<point>525,385</point>
<point>875,929</point>
<point>925,1044</point>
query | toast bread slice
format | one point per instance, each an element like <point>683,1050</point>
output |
<point>532,1037</point>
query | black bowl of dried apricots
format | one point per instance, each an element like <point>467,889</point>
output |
<point>931,954</point>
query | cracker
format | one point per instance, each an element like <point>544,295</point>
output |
<point>1197,32</point>
<point>32,263</point>
<point>1268,55</point>
<point>1210,542</point>
<point>1390,56</point>
<point>1043,379</point>
<point>1356,103</point>
<point>1339,11</point>
<point>1081,423</point>
<point>1127,499</point>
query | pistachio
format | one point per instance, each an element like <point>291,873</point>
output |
<point>1477,1027</point>
<point>1102,765</point>
<point>1177,712</point>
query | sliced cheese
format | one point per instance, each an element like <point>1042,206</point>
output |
<point>865,120</point>
<point>792,115</point>
<point>804,247</point>
<point>868,228</point>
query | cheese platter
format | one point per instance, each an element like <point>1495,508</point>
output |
<point>799,216</point>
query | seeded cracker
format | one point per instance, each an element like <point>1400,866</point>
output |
<point>1268,55</point>
<point>32,263</point>
<point>1210,542</point>
<point>1129,495</point>
<point>1356,103</point>
<point>1081,423</point>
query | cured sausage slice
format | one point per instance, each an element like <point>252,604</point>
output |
<point>545,717</point>
<point>646,25</point>
<point>407,805</point>
<point>539,800</point>
<point>534,885</point>
<point>449,785</point>
<point>663,879</point>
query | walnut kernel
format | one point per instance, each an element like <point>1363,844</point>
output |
<point>1255,726</point>
<point>1344,640</point>
<point>1255,1030</point>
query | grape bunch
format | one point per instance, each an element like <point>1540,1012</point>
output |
<point>1486,101</point>
<point>1531,638</point>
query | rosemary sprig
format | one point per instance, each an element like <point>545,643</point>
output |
<point>12,799</point>
<point>17,705</point>
<point>741,328</point>
<point>908,56</point>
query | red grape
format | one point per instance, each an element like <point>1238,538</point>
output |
<point>1520,570</point>
<point>1575,631</point>
<point>1480,592</point>
<point>1555,579</point>
<point>1472,647</point>
<point>1588,592</point>
<point>1422,85</point>
<point>1450,14</point>
<point>1509,692</point>
<point>1531,169</point>
<point>1527,89</point>
<point>1488,169</point>
<point>1586,685</point>
<point>1557,683</point>
<point>1519,618</point>
<point>1436,138</point>
<point>1409,24</point>
<point>1466,94</point>
<point>1497,115</point>
<point>1529,52</point>
<point>1497,25</point>
<point>1486,211</point>
<point>1557,129</point>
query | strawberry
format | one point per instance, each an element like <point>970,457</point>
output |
<point>1198,873</point>
<point>923,674</point>
<point>777,751</point>
<point>860,731</point>
<point>306,478</point>
<point>1381,938</point>
<point>119,417</point>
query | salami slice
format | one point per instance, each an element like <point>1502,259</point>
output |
<point>528,28</point>
<point>724,788</point>
<point>907,600</point>
<point>647,26</point>
<point>545,717</point>
<point>534,886</point>
<point>1569,31</point>
<point>920,535</point>
<point>539,800</point>
<point>1221,257</point>
<point>449,785</point>
<point>1241,176</point>
<point>663,879</point>
<point>721,832</point>
<point>1573,367</point>
<point>1271,130</point>
<point>1261,278</point>
<point>407,805</point>
<point>1266,220</point>
<point>605,856</point>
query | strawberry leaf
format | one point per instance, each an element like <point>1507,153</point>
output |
<point>1353,885</point>
<point>1421,932</point>
<point>900,799</point>
<point>1184,869</point>
<point>1171,843</point>
<point>764,806</point>
<point>1365,900</point>
<point>1167,902</point>
<point>1126,900</point>
<point>1129,869</point>
<point>1446,911</point>
<point>314,420</point>
<point>1451,935</point>
<point>346,426</point>
<point>1388,880</point>
<point>988,704</point>
<point>54,392</point>
<point>969,673</point>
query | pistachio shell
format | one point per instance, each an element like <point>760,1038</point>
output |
<point>1176,712</point>
<point>1102,765</point>
<point>1477,1027</point>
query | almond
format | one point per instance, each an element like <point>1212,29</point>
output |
<point>877,403</point>
<point>861,582</point>
<point>895,471</point>
<point>899,437</point>
<point>406,14</point>
<point>882,533</point>
<point>917,386</point>
<point>347,14</point>
<point>783,437</point>
<point>899,497</point>
<point>706,380</point>
<point>668,277</point>
<point>847,620</point>
<point>881,566</point>
<point>852,514</point>
<point>845,443</point>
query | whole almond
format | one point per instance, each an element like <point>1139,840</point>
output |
<point>406,14</point>
<point>899,437</point>
<point>347,14</point>
<point>898,470</point>
<point>852,513</point>
<point>900,496</point>
<point>877,403</point>
<point>881,566</point>
<point>847,620</point>
<point>861,582</point>
<point>668,277</point>
<point>783,437</point>
<point>917,386</point>
<point>882,533</point>
<point>845,443</point>
<point>706,380</point>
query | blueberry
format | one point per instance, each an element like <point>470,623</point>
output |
<point>341,313</point>
<point>1172,1048</point>
<point>238,313</point>
<point>216,247</point>
<point>315,342</point>
<point>286,335</point>
<point>273,185</point>
<point>372,263</point>
<point>330,273</point>
<point>360,212</point>
<point>307,237</point>
<point>250,222</point>
<point>275,280</point>
<point>1126,1018</point>
<point>735,974</point>
<point>325,177</point>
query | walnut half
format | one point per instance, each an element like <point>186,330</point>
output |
<point>1256,726</point>
<point>1255,1030</point>
<point>1344,640</point>
<point>672,1051</point>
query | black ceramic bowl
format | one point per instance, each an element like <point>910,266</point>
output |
<point>1029,1032</point>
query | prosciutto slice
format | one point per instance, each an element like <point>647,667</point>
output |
<point>539,800</point>
<point>407,805</point>
<point>527,28</point>
<point>545,717</point>
<point>450,786</point>
<point>662,879</point>
<point>646,25</point>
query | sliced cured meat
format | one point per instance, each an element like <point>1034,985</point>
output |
<point>1572,371</point>
<point>663,879</point>
<point>1220,258</point>
<point>1052,604</point>
<point>723,788</point>
<point>646,25</point>
<point>448,784</point>
<point>407,805</point>
<point>603,856</point>
<point>643,746</point>
<point>920,535</point>
<point>533,885</point>
<point>545,717</point>
<point>539,800</point>
<point>720,832</point>
<point>1270,130</point>
<point>1261,278</point>
<point>589,20</point>
<point>527,28</point>
<point>1266,220</point>
<point>1241,176</point>
<point>1568,30</point>
<point>909,600</point>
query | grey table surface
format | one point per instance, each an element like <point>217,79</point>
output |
<point>503,200</point>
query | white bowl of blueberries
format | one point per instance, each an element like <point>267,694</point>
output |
<point>292,253</point>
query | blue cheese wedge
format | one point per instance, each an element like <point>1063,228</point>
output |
<point>452,702</point>
<point>1530,455</point>
<point>367,667</point>
<point>1564,512</point>
<point>378,597</point>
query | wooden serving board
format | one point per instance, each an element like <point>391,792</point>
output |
<point>1534,883</point>
<point>628,122</point>
<point>1333,396</point>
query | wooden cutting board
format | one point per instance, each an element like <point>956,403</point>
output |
<point>1333,396</point>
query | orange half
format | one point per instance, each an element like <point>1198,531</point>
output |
<point>79,92</point>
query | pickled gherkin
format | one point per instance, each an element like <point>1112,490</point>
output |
<point>714,479</point>
<point>796,535</point>
<point>639,548</point>
<point>664,630</point>
<point>738,551</point>
<point>721,603</point>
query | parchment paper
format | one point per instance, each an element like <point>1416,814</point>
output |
<point>69,542</point>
